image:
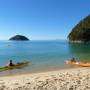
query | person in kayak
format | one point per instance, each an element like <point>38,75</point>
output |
<point>73,60</point>
<point>11,63</point>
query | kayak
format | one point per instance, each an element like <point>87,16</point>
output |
<point>84,65</point>
<point>80,64</point>
<point>15,66</point>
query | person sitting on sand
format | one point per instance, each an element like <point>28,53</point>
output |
<point>11,63</point>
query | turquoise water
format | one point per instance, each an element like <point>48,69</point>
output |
<point>43,55</point>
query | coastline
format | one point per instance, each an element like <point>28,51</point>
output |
<point>40,71</point>
<point>67,79</point>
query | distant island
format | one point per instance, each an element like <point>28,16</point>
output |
<point>19,38</point>
<point>81,32</point>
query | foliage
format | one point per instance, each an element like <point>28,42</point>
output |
<point>81,32</point>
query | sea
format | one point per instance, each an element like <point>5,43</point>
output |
<point>43,55</point>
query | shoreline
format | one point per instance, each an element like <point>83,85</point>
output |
<point>14,72</point>
<point>66,79</point>
<point>40,72</point>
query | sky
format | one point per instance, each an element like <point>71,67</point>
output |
<point>41,19</point>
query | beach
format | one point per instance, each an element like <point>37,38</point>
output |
<point>66,79</point>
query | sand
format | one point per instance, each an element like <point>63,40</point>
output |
<point>70,79</point>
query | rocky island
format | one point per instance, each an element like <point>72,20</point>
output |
<point>19,38</point>
<point>81,32</point>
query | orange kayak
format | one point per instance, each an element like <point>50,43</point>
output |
<point>81,64</point>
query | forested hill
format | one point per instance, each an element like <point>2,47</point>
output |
<point>81,32</point>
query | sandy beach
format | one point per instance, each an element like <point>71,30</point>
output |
<point>68,79</point>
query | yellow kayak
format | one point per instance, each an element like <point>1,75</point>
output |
<point>15,66</point>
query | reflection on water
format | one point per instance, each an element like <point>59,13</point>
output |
<point>80,51</point>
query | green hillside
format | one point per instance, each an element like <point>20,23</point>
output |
<point>81,32</point>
